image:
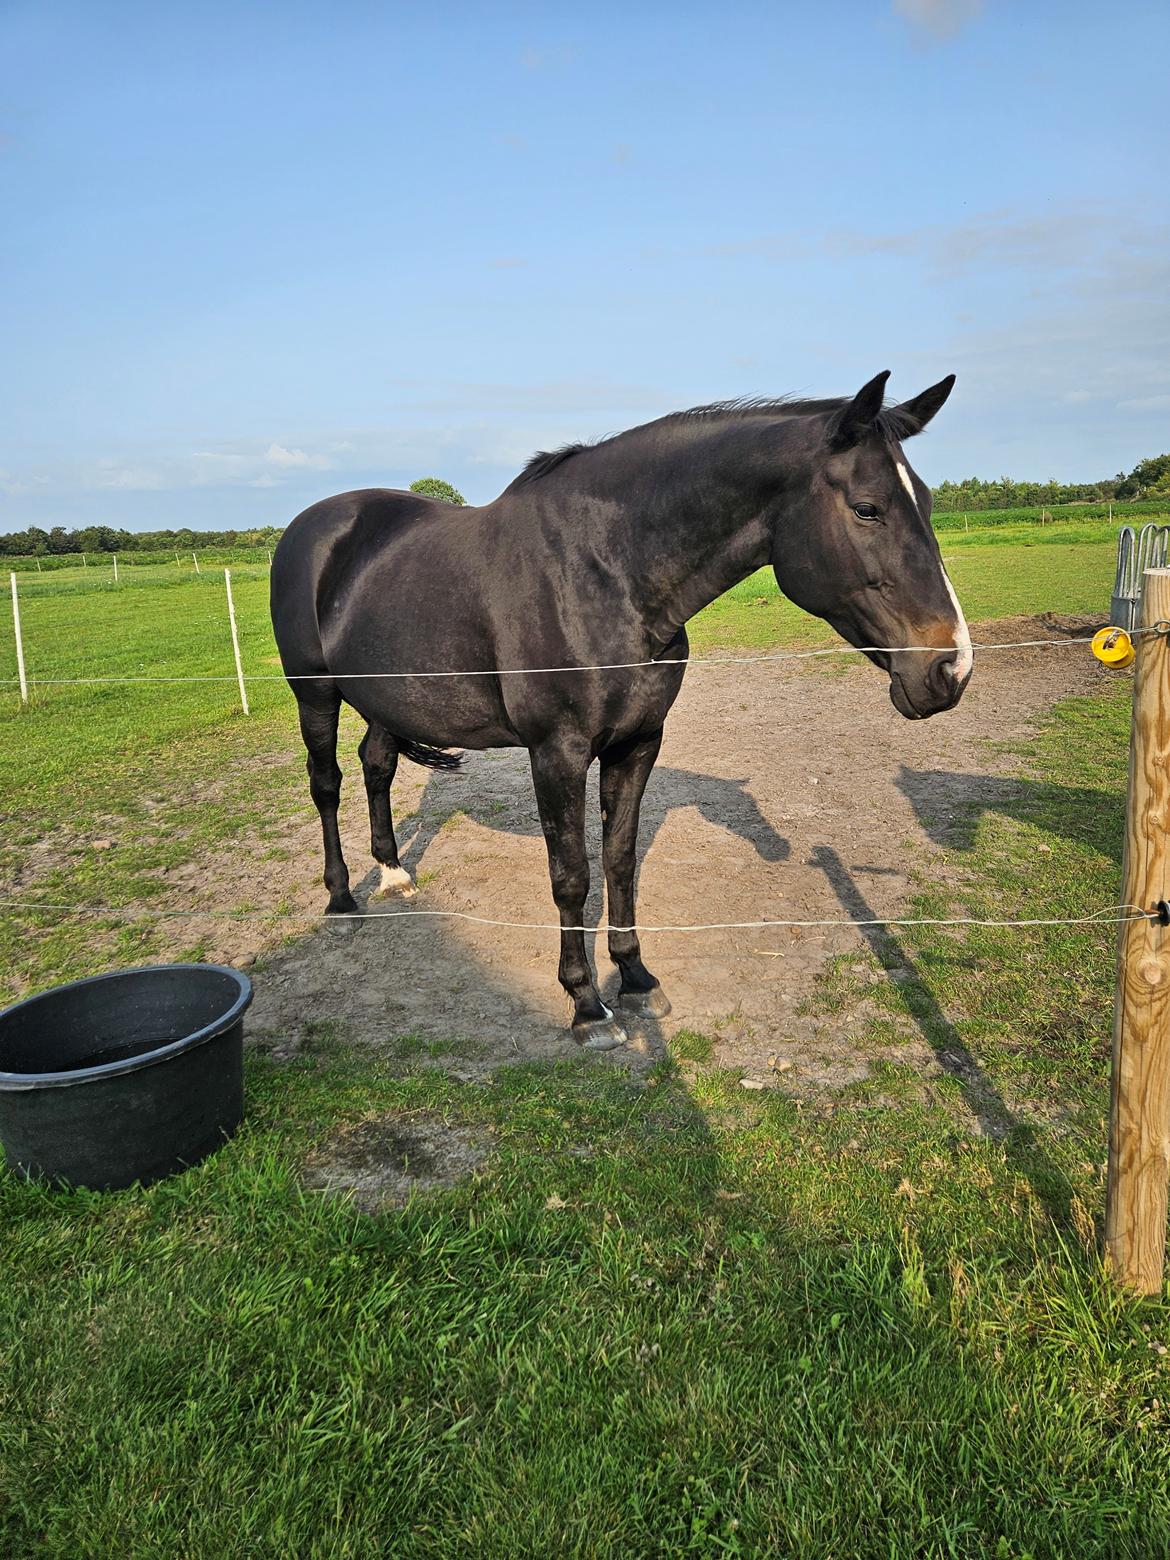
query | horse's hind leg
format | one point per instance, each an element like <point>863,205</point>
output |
<point>318,705</point>
<point>624,772</point>
<point>379,755</point>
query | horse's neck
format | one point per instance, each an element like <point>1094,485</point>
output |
<point>703,533</point>
<point>692,580</point>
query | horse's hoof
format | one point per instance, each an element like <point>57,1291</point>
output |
<point>645,1004</point>
<point>394,880</point>
<point>600,1034</point>
<point>343,923</point>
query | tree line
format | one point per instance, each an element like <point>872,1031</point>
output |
<point>1148,479</point>
<point>37,543</point>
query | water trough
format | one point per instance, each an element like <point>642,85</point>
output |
<point>124,1077</point>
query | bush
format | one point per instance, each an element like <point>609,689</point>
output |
<point>435,487</point>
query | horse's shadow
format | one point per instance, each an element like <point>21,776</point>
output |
<point>503,800</point>
<point>1023,1146</point>
<point>725,803</point>
<point>950,808</point>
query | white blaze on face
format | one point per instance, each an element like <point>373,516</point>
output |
<point>906,482</point>
<point>965,657</point>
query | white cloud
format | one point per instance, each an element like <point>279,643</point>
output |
<point>1089,239</point>
<point>557,57</point>
<point>16,485</point>
<point>1146,403</point>
<point>231,465</point>
<point>277,455</point>
<point>939,19</point>
<point>127,479</point>
<point>1082,239</point>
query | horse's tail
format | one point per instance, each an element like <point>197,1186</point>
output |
<point>429,757</point>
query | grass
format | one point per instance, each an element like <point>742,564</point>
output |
<point>770,1334</point>
<point>664,1318</point>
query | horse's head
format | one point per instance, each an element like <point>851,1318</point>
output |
<point>858,549</point>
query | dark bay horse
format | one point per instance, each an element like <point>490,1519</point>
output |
<point>594,555</point>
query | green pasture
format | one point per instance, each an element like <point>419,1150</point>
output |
<point>665,1318</point>
<point>156,564</point>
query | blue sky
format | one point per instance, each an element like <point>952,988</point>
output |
<point>255,254</point>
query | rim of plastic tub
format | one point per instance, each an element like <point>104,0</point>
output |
<point>11,1082</point>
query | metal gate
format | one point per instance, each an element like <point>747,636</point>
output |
<point>1148,550</point>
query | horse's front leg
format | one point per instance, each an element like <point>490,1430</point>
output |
<point>558,775</point>
<point>625,770</point>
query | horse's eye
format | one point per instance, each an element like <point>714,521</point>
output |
<point>867,511</point>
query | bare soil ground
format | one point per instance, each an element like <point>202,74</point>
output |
<point>791,790</point>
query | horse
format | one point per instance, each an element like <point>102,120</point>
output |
<point>554,619</point>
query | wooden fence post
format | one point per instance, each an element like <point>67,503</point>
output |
<point>227,580</point>
<point>19,641</point>
<point>1139,1117</point>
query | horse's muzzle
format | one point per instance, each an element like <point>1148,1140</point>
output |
<point>920,690</point>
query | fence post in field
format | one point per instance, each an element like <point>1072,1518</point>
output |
<point>19,641</point>
<point>195,561</point>
<point>84,561</point>
<point>115,568</point>
<point>227,579</point>
<point>1139,1116</point>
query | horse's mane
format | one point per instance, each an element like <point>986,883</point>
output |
<point>887,423</point>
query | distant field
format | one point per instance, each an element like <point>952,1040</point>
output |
<point>97,564</point>
<point>1135,512</point>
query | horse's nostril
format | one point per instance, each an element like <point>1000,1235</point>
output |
<point>944,674</point>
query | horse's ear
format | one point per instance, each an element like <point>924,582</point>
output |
<point>854,421</point>
<point>912,416</point>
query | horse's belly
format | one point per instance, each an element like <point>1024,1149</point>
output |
<point>444,712</point>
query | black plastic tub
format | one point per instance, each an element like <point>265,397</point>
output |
<point>124,1077</point>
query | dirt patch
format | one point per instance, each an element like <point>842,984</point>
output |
<point>792,790</point>
<point>384,1160</point>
